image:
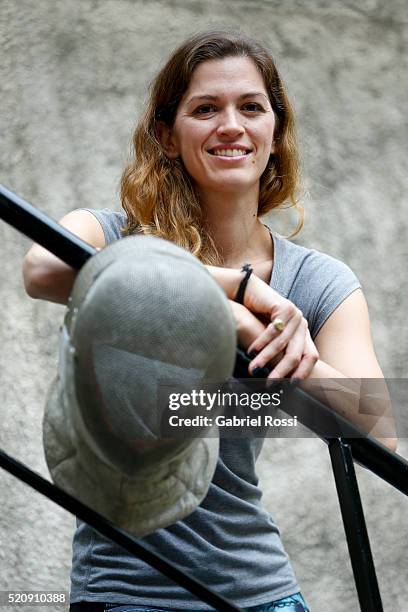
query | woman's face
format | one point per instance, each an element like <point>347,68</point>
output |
<point>224,126</point>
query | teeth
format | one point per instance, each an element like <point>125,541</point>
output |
<point>230,152</point>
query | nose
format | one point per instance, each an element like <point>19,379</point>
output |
<point>230,123</point>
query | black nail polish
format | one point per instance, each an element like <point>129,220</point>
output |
<point>252,354</point>
<point>260,372</point>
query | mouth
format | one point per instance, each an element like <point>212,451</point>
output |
<point>229,152</point>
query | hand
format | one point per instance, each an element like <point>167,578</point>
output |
<point>262,305</point>
<point>299,352</point>
<point>250,329</point>
<point>290,351</point>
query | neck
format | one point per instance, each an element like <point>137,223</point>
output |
<point>235,228</point>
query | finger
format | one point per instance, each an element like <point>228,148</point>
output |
<point>276,342</point>
<point>309,359</point>
<point>293,354</point>
<point>305,367</point>
<point>291,318</point>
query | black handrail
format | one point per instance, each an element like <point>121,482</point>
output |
<point>109,530</point>
<point>75,252</point>
<point>351,444</point>
<point>329,425</point>
<point>42,229</point>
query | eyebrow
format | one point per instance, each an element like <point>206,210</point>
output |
<point>250,94</point>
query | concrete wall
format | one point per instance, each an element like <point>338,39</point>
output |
<point>73,77</point>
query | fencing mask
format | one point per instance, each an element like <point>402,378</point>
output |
<point>141,311</point>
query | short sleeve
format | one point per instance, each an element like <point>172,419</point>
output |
<point>321,285</point>
<point>112,222</point>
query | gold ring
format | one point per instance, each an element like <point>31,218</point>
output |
<point>278,324</point>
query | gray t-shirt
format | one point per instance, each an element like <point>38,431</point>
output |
<point>230,542</point>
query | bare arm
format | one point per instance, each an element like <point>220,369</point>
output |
<point>45,276</point>
<point>346,352</point>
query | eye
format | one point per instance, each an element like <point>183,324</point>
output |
<point>255,107</point>
<point>204,108</point>
<point>252,107</point>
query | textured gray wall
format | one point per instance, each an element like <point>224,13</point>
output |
<point>73,78</point>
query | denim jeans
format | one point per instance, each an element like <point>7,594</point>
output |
<point>293,603</point>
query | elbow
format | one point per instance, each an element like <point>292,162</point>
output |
<point>390,444</point>
<point>31,277</point>
<point>37,276</point>
<point>46,277</point>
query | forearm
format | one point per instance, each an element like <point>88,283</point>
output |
<point>355,399</point>
<point>46,277</point>
<point>227,278</point>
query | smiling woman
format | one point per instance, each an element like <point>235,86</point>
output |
<point>213,96</point>
<point>226,141</point>
<point>213,152</point>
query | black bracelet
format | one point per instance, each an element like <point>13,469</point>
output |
<point>247,268</point>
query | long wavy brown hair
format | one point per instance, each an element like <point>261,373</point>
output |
<point>158,194</point>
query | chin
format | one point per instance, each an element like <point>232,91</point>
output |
<point>231,185</point>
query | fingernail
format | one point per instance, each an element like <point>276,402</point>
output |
<point>260,372</point>
<point>252,354</point>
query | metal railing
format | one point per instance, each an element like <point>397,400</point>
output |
<point>344,449</point>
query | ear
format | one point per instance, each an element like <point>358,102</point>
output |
<point>273,147</point>
<point>167,141</point>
